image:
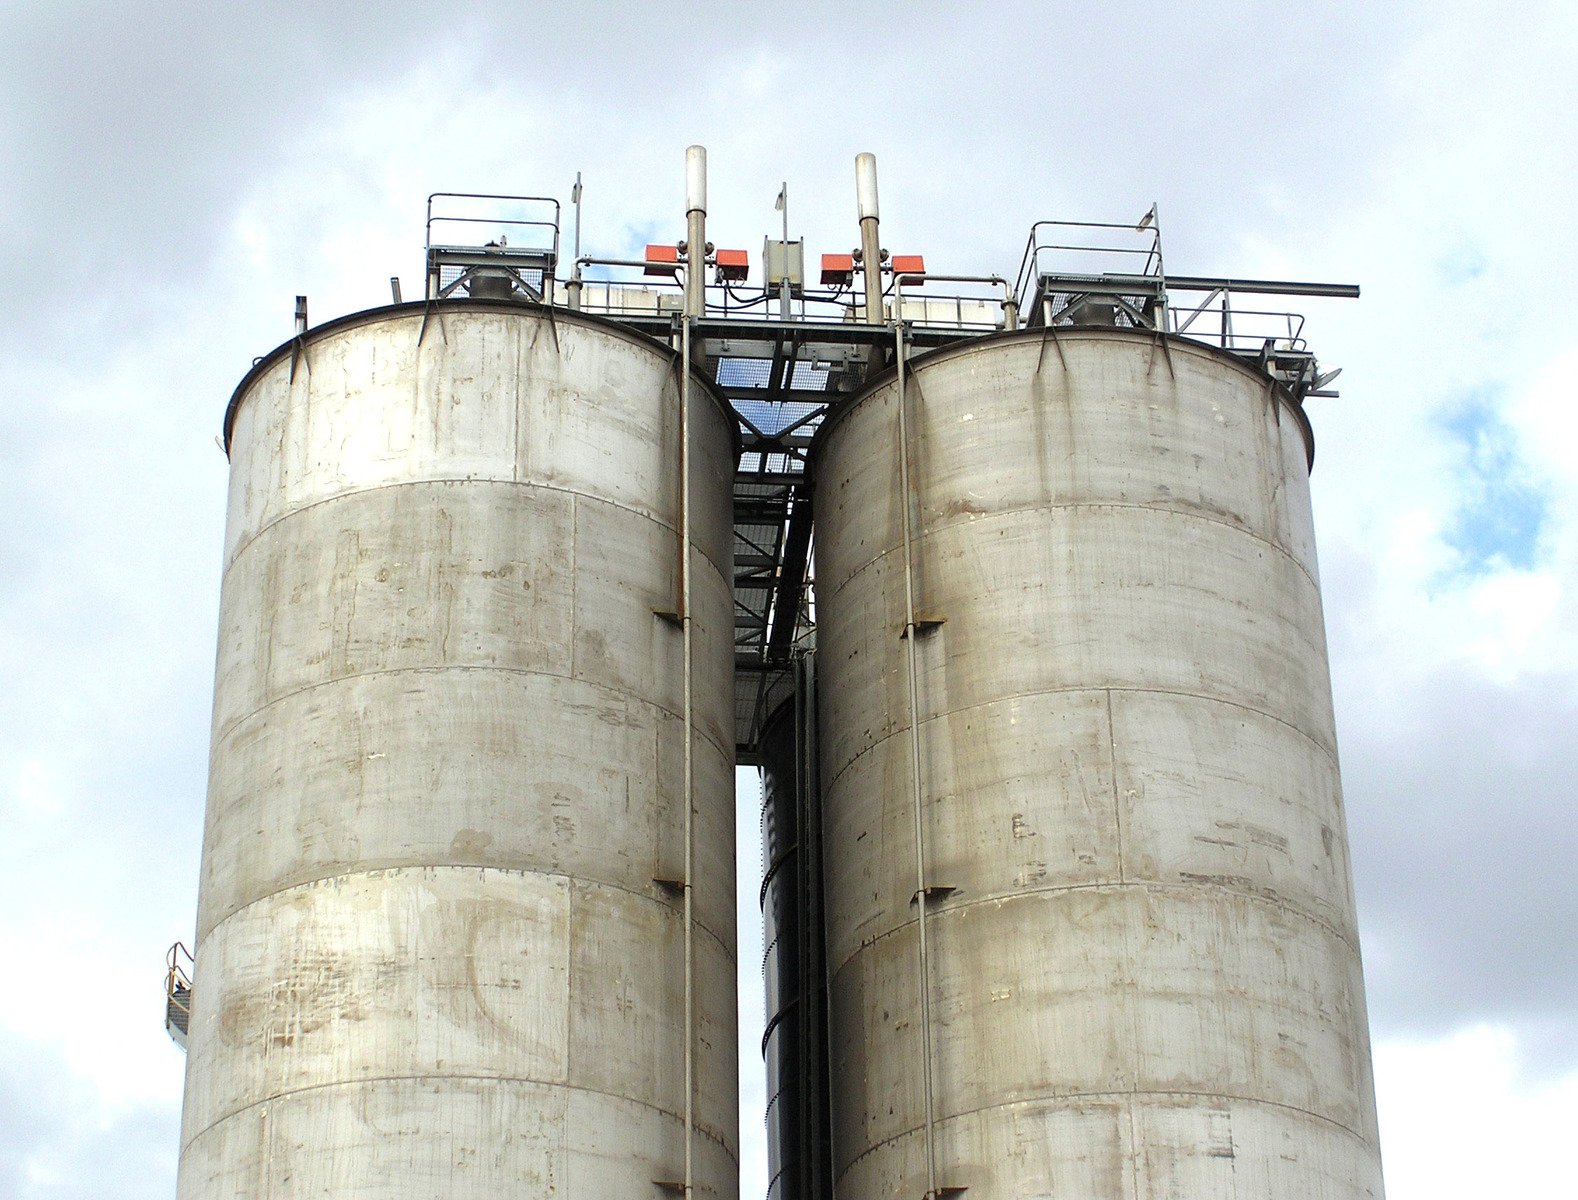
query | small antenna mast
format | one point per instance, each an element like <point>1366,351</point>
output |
<point>783,278</point>
<point>575,199</point>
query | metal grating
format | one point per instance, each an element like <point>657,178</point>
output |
<point>744,372</point>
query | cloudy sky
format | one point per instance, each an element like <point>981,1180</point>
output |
<point>174,174</point>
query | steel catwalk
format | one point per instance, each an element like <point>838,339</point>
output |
<point>440,950</point>
<point>1142,970</point>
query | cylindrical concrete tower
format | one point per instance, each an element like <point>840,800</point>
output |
<point>441,938</point>
<point>1140,975</point>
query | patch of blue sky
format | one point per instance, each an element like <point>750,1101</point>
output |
<point>1501,510</point>
<point>628,245</point>
<point>1463,264</point>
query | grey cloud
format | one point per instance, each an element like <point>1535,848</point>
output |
<point>130,131</point>
<point>1459,798</point>
<point>134,130</point>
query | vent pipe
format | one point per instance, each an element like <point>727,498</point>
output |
<point>870,242</point>
<point>695,230</point>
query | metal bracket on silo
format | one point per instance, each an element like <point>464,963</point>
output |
<point>935,891</point>
<point>427,308</point>
<point>1049,331</point>
<point>553,325</point>
<point>297,346</point>
<point>1159,337</point>
<point>924,623</point>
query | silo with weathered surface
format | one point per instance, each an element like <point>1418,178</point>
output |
<point>1090,919</point>
<point>442,930</point>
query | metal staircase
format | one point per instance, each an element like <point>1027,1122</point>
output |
<point>179,964</point>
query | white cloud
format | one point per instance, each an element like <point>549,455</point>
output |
<point>1460,1121</point>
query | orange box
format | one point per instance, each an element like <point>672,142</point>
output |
<point>733,265</point>
<point>662,260</point>
<point>838,269</point>
<point>909,264</point>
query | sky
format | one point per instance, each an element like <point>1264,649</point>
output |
<point>175,174</point>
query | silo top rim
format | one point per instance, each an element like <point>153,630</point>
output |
<point>368,316</point>
<point>1035,334</point>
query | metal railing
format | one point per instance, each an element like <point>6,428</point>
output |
<point>1071,273</point>
<point>992,308</point>
<point>497,220</point>
<point>1130,252</point>
<point>1215,320</point>
<point>533,264</point>
<point>978,313</point>
<point>178,968</point>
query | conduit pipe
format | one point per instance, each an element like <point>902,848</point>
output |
<point>689,758</point>
<point>1010,307</point>
<point>911,635</point>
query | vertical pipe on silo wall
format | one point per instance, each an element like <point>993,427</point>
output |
<point>1144,969</point>
<point>436,955</point>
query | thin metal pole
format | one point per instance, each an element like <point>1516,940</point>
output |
<point>689,784</point>
<point>575,194</point>
<point>783,283</point>
<point>910,637</point>
<point>1263,287</point>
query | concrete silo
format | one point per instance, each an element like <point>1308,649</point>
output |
<point>1022,625</point>
<point>442,929</point>
<point>1090,918</point>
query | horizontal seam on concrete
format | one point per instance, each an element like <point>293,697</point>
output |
<point>508,483</point>
<point>1161,510</point>
<point>230,726</point>
<point>945,908</point>
<point>1093,689</point>
<point>1132,1094</point>
<point>364,870</point>
<point>475,1078</point>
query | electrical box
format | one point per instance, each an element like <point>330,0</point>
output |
<point>662,260</point>
<point>838,270</point>
<point>782,260</point>
<point>733,265</point>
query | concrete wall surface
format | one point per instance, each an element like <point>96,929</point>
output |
<point>1142,961</point>
<point>435,956</point>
